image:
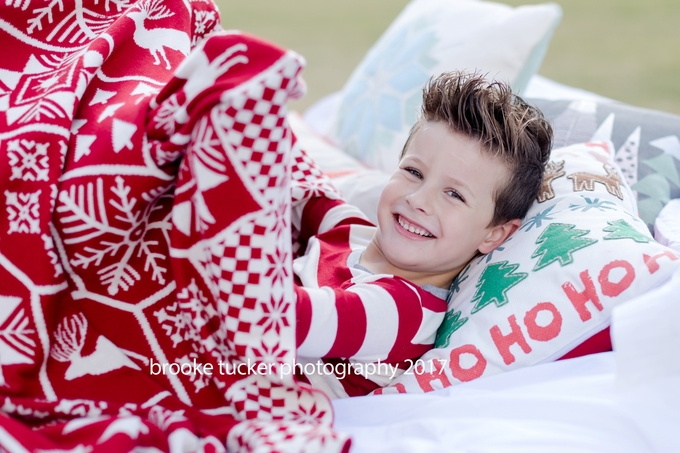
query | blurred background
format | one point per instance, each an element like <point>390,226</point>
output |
<point>622,49</point>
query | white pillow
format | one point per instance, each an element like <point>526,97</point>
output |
<point>328,157</point>
<point>359,186</point>
<point>381,99</point>
<point>667,225</point>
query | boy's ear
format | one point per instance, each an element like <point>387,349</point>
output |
<point>498,235</point>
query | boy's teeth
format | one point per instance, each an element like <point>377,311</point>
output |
<point>412,229</point>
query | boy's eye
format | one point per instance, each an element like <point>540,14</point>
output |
<point>414,172</point>
<point>454,194</point>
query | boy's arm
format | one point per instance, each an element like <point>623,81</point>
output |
<point>317,206</point>
<point>388,319</point>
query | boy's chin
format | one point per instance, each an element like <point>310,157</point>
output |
<point>411,266</point>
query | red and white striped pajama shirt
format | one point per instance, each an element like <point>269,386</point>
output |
<point>349,317</point>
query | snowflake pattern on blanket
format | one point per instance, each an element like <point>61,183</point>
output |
<point>146,294</point>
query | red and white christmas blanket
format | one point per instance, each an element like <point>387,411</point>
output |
<point>146,293</point>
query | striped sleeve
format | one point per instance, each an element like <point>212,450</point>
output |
<point>370,321</point>
<point>318,215</point>
<point>317,206</point>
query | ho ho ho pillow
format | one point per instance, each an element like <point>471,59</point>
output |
<point>548,291</point>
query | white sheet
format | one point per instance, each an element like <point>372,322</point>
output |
<point>567,406</point>
<point>627,401</point>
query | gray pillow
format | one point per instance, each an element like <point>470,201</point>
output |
<point>647,144</point>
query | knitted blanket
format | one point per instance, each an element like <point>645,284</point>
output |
<point>147,177</point>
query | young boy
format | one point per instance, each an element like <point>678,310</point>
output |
<point>469,171</point>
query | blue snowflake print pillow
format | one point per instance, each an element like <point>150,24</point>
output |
<point>548,292</point>
<point>381,100</point>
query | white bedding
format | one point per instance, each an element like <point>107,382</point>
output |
<point>622,401</point>
<point>568,406</point>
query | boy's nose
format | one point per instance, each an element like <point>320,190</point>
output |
<point>420,200</point>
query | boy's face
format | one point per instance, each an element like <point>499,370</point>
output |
<point>434,212</point>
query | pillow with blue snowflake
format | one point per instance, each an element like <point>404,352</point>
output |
<point>548,292</point>
<point>381,100</point>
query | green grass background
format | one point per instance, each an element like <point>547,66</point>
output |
<point>623,49</point>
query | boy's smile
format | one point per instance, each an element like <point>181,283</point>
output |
<point>434,213</point>
<point>411,229</point>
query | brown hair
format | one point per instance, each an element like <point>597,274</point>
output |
<point>505,126</point>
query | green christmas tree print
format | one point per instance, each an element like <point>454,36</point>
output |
<point>452,322</point>
<point>558,242</point>
<point>494,283</point>
<point>620,229</point>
